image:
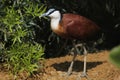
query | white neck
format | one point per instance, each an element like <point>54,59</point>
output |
<point>55,18</point>
<point>55,23</point>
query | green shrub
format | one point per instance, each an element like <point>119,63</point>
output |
<point>18,48</point>
<point>24,57</point>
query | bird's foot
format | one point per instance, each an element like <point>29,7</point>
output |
<point>83,75</point>
<point>67,75</point>
<point>69,72</point>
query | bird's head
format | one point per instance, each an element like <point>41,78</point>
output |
<point>52,13</point>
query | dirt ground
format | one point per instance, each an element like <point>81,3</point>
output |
<point>98,68</point>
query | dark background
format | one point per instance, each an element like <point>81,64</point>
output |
<point>105,13</point>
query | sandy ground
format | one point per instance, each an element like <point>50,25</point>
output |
<point>98,68</point>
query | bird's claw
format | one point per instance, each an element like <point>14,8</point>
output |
<point>83,75</point>
<point>69,73</point>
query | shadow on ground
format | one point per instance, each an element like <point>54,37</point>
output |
<point>78,65</point>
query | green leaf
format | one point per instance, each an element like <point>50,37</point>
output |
<point>114,56</point>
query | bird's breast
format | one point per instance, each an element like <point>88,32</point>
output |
<point>60,31</point>
<point>57,28</point>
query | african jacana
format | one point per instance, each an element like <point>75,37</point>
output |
<point>72,26</point>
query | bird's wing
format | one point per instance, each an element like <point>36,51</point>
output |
<point>78,26</point>
<point>80,29</point>
<point>75,29</point>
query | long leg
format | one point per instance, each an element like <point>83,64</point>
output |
<point>84,74</point>
<point>85,60</point>
<point>72,63</point>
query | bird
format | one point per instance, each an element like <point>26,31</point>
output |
<point>74,27</point>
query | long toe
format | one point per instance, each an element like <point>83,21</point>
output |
<point>83,75</point>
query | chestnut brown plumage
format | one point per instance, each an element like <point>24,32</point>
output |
<point>72,26</point>
<point>77,27</point>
